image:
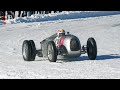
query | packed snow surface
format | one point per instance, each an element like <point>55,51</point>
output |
<point>104,29</point>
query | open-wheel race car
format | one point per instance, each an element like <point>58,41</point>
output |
<point>66,45</point>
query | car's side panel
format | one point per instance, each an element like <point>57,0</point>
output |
<point>66,43</point>
<point>44,44</point>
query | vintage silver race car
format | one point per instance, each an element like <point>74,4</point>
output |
<point>68,46</point>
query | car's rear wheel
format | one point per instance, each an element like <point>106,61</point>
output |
<point>52,52</point>
<point>33,50</point>
<point>91,48</point>
<point>28,50</point>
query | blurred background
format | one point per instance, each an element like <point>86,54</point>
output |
<point>14,14</point>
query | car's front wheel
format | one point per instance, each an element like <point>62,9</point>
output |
<point>91,48</point>
<point>52,52</point>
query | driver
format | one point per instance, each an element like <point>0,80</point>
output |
<point>60,33</point>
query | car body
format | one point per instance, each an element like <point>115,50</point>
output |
<point>68,46</point>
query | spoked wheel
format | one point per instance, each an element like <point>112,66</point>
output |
<point>91,48</point>
<point>28,50</point>
<point>52,52</point>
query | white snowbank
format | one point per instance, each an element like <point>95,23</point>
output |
<point>60,16</point>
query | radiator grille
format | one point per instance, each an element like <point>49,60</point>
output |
<point>74,45</point>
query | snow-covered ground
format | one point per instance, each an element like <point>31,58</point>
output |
<point>105,30</point>
<point>60,16</point>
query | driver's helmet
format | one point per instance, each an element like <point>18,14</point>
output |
<point>61,32</point>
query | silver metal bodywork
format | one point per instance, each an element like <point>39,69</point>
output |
<point>67,52</point>
<point>67,45</point>
<point>44,45</point>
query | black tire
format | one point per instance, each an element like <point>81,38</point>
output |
<point>91,48</point>
<point>52,51</point>
<point>33,50</point>
<point>26,50</point>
